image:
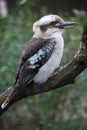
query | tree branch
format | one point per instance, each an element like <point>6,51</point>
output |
<point>64,75</point>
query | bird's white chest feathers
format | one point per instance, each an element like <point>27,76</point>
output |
<point>53,63</point>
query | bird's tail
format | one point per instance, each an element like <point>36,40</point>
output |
<point>9,97</point>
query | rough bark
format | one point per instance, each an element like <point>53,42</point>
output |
<point>63,76</point>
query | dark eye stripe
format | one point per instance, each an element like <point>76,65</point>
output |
<point>44,27</point>
<point>53,23</point>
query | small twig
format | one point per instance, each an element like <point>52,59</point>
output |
<point>4,94</point>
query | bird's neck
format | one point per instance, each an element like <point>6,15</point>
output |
<point>59,41</point>
<point>56,35</point>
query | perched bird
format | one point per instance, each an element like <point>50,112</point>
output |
<point>42,55</point>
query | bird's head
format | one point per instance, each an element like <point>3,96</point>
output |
<point>50,24</point>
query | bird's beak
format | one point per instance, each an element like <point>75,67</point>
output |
<point>66,25</point>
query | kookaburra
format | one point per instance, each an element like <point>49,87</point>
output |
<point>42,55</point>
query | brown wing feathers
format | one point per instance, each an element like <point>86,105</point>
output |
<point>32,47</point>
<point>27,69</point>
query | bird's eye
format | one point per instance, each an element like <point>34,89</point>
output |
<point>45,27</point>
<point>53,23</point>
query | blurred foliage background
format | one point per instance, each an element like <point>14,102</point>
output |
<point>60,109</point>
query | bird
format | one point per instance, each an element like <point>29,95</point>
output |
<point>42,54</point>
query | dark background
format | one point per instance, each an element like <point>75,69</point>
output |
<point>66,6</point>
